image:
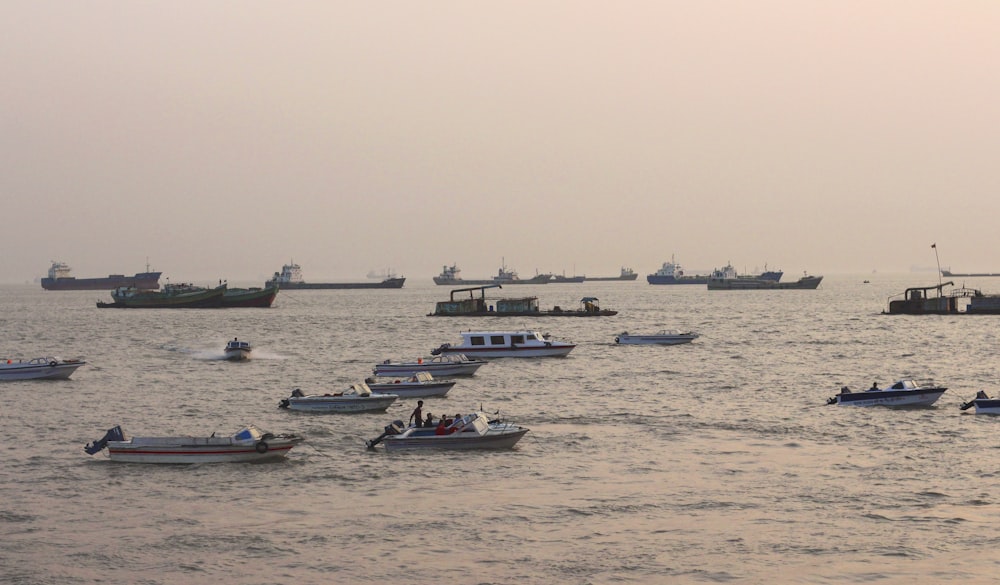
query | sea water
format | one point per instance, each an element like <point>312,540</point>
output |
<point>713,462</point>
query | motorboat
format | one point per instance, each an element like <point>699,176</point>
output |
<point>498,344</point>
<point>40,368</point>
<point>662,337</point>
<point>237,350</point>
<point>455,364</point>
<point>983,403</point>
<point>249,444</point>
<point>480,306</point>
<point>904,393</point>
<point>357,398</point>
<point>472,431</point>
<point>418,385</point>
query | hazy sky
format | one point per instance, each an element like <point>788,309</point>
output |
<point>223,139</point>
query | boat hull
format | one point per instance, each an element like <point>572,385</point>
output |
<point>804,283</point>
<point>250,298</point>
<point>340,404</point>
<point>553,350</point>
<point>892,398</point>
<point>198,450</point>
<point>428,440</point>
<point>654,339</point>
<point>412,390</point>
<point>387,283</point>
<point>145,280</point>
<point>237,355</point>
<point>655,279</point>
<point>987,405</point>
<point>203,299</point>
<point>435,368</point>
<point>61,370</point>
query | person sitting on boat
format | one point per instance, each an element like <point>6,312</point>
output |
<point>418,414</point>
<point>442,428</point>
<point>429,421</point>
<point>874,387</point>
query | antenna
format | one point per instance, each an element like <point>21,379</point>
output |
<point>934,245</point>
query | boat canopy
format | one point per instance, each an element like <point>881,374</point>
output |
<point>361,389</point>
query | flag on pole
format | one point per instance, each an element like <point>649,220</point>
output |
<point>934,245</point>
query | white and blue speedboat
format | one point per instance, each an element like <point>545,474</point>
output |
<point>904,393</point>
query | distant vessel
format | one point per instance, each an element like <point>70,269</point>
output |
<point>934,300</point>
<point>59,279</point>
<point>627,274</point>
<point>290,278</point>
<point>449,275</point>
<point>742,283</point>
<point>516,307</point>
<point>950,274</point>
<point>173,296</point>
<point>672,273</point>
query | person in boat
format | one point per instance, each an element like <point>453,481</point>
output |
<point>874,387</point>
<point>429,421</point>
<point>417,416</point>
<point>982,394</point>
<point>442,428</point>
<point>297,393</point>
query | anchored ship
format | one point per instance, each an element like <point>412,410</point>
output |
<point>290,278</point>
<point>59,279</point>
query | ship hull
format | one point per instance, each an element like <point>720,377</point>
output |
<point>609,278</point>
<point>206,299</point>
<point>143,280</point>
<point>260,298</point>
<point>387,283</point>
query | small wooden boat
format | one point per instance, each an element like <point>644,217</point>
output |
<point>904,393</point>
<point>249,444</point>
<point>40,368</point>
<point>472,431</point>
<point>497,344</point>
<point>662,337</point>
<point>419,385</point>
<point>237,350</point>
<point>357,398</point>
<point>443,365</point>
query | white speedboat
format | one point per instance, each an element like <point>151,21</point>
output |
<point>983,403</point>
<point>419,385</point>
<point>442,365</point>
<point>662,337</point>
<point>41,368</point>
<point>498,344</point>
<point>904,393</point>
<point>472,431</point>
<point>249,444</point>
<point>357,398</point>
<point>237,350</point>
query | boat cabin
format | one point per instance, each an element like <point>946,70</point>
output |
<point>933,300</point>
<point>502,338</point>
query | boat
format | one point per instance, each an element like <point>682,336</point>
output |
<point>499,344</point>
<point>472,431</point>
<point>59,279</point>
<point>510,307</point>
<point>983,403</point>
<point>904,393</point>
<point>807,282</point>
<point>249,297</point>
<point>173,296</point>
<point>442,365</point>
<point>934,300</point>
<point>237,350</point>
<point>249,444</point>
<point>290,278</point>
<point>626,274</point>
<point>357,398</point>
<point>418,385</point>
<point>449,275</point>
<point>672,273</point>
<point>950,274</point>
<point>662,337</point>
<point>40,368</point>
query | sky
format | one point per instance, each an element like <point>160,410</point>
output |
<point>222,139</point>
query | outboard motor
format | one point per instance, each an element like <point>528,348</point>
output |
<point>441,348</point>
<point>113,434</point>
<point>395,428</point>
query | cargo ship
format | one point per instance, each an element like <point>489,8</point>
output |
<point>290,278</point>
<point>59,279</point>
<point>626,274</point>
